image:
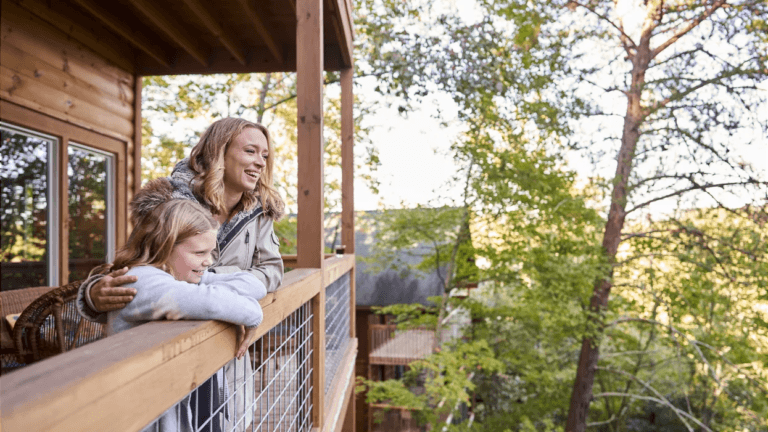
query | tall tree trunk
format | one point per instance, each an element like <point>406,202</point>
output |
<point>585,373</point>
<point>263,97</point>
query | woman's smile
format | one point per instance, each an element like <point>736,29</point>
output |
<point>244,161</point>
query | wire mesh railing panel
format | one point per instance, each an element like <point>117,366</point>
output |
<point>268,390</point>
<point>337,314</point>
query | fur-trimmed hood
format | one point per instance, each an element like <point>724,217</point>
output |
<point>151,195</point>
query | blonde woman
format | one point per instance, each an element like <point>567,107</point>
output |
<point>229,172</point>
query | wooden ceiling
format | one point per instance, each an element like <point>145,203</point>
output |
<point>170,37</point>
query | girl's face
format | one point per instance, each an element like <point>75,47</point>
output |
<point>190,258</point>
<point>244,160</point>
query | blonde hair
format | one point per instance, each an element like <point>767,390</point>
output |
<point>207,161</point>
<point>159,231</point>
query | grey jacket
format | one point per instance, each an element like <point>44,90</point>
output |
<point>247,242</point>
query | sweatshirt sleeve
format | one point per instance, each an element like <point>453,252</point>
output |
<point>232,298</point>
<point>83,303</point>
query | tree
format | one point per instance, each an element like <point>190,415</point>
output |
<point>686,74</point>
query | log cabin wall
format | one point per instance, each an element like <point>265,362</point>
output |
<point>75,84</point>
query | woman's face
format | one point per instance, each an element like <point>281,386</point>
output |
<point>245,160</point>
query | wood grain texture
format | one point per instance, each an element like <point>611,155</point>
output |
<point>115,24</point>
<point>343,384</point>
<point>110,48</point>
<point>28,91</point>
<point>309,88</point>
<point>336,267</point>
<point>46,42</point>
<point>347,161</point>
<point>318,358</point>
<point>164,23</point>
<point>262,30</point>
<point>214,27</point>
<point>113,384</point>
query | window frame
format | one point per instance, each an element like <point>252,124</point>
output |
<point>111,194</point>
<point>53,226</point>
<point>66,133</point>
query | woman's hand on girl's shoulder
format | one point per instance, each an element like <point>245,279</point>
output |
<point>108,294</point>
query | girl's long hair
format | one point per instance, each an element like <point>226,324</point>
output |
<point>156,233</point>
<point>207,161</point>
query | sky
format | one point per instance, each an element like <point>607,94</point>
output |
<point>414,154</point>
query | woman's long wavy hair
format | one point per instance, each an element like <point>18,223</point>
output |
<point>159,231</point>
<point>207,161</point>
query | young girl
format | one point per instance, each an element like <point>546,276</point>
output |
<point>169,250</point>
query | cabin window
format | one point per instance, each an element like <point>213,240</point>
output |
<point>61,199</point>
<point>91,209</point>
<point>29,208</point>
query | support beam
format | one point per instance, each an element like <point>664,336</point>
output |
<point>137,130</point>
<point>171,29</point>
<point>309,90</point>
<point>261,29</point>
<point>211,24</point>
<point>117,52</point>
<point>344,47</point>
<point>318,359</point>
<point>122,29</point>
<point>347,161</point>
<point>346,41</point>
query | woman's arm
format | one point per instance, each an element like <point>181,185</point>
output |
<point>233,299</point>
<point>102,293</point>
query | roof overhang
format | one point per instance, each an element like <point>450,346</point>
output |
<point>172,37</point>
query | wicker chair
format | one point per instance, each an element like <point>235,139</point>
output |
<point>51,326</point>
<point>12,303</point>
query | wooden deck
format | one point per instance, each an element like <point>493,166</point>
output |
<point>404,348</point>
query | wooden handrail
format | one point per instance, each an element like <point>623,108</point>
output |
<point>96,387</point>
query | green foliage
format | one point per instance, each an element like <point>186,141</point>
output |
<point>445,376</point>
<point>426,233</point>
<point>191,103</point>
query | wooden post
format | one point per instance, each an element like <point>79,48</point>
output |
<point>137,85</point>
<point>63,199</point>
<point>348,206</point>
<point>347,161</point>
<point>349,422</point>
<point>309,244</point>
<point>318,360</point>
<point>309,98</point>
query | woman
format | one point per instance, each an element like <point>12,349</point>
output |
<point>229,172</point>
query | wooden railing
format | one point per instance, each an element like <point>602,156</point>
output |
<point>126,381</point>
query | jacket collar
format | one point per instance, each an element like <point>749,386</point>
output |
<point>182,179</point>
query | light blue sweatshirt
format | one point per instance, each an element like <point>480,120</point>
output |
<point>232,297</point>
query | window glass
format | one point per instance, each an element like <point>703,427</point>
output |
<point>26,216</point>
<point>91,209</point>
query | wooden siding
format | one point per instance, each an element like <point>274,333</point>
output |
<point>46,70</point>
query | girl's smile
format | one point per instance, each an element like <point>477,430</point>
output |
<point>190,258</point>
